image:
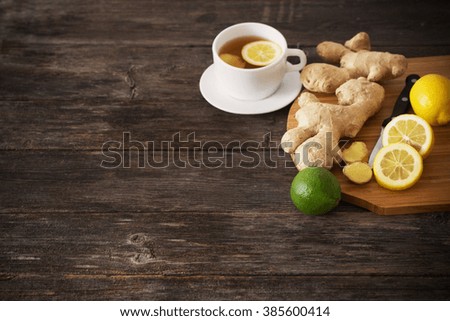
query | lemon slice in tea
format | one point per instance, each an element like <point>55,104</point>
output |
<point>261,52</point>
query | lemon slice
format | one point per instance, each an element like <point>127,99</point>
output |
<point>412,130</point>
<point>261,52</point>
<point>397,166</point>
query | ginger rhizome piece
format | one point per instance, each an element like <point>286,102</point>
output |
<point>358,172</point>
<point>321,125</point>
<point>233,60</point>
<point>357,152</point>
<point>355,60</point>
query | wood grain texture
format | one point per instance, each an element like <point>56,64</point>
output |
<point>120,73</point>
<point>241,256</point>
<point>157,243</point>
<point>218,182</point>
<point>195,23</point>
<point>430,193</point>
<point>77,74</point>
<point>249,287</point>
<point>81,125</point>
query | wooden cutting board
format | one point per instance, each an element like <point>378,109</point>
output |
<point>432,192</point>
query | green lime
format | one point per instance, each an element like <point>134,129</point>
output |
<point>315,191</point>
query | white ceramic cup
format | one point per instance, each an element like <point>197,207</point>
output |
<point>258,83</point>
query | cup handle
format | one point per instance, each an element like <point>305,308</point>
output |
<point>297,53</point>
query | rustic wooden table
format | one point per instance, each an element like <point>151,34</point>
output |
<point>76,76</point>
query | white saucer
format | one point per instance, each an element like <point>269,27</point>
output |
<point>288,91</point>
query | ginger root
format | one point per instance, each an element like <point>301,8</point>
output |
<point>357,152</point>
<point>314,142</point>
<point>355,59</point>
<point>324,78</point>
<point>233,60</point>
<point>358,172</point>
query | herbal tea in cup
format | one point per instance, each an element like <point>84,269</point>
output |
<point>250,60</point>
<point>249,52</point>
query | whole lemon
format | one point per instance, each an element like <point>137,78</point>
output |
<point>315,191</point>
<point>430,99</point>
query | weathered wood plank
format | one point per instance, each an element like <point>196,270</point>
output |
<point>191,180</point>
<point>217,181</point>
<point>30,71</point>
<point>223,244</point>
<point>81,126</point>
<point>301,288</point>
<point>100,72</point>
<point>87,124</point>
<point>156,23</point>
